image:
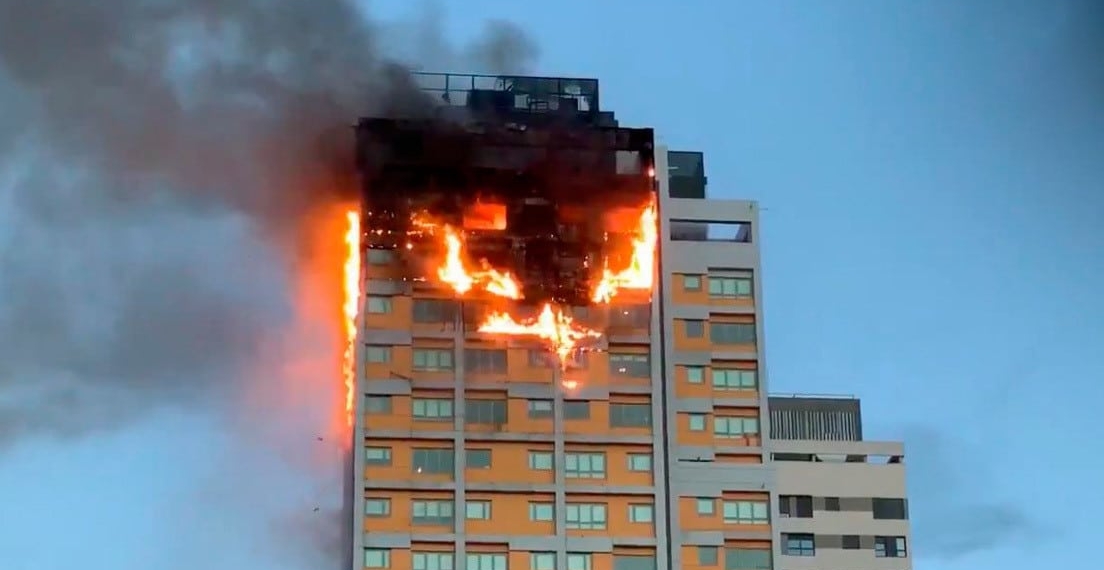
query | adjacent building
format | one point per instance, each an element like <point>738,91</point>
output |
<point>668,453</point>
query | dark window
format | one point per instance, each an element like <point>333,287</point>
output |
<point>707,555</point>
<point>831,503</point>
<point>635,317</point>
<point>630,415</point>
<point>632,365</point>
<point>485,411</point>
<point>850,541</point>
<point>431,409</point>
<point>890,547</point>
<point>432,359</point>
<point>623,562</point>
<point>477,458</point>
<point>434,311</point>
<point>378,405</point>
<point>890,509</point>
<point>540,358</point>
<point>732,333</point>
<point>797,506</point>
<point>433,461</point>
<point>747,559</point>
<point>576,410</point>
<point>485,360</point>
<point>798,545</point>
<point>540,409</point>
<point>695,329</point>
<point>377,455</point>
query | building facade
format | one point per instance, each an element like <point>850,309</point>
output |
<point>471,456</point>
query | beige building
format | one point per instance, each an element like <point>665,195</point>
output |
<point>841,499</point>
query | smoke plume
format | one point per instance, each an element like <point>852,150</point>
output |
<point>169,171</point>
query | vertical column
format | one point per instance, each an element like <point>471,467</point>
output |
<point>558,466</point>
<point>353,502</point>
<point>459,509</point>
<point>668,548</point>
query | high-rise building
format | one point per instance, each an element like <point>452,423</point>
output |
<point>648,450</point>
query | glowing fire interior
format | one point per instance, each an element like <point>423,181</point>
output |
<point>350,307</point>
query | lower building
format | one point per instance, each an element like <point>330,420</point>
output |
<point>841,499</point>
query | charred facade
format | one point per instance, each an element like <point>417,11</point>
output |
<point>541,181</point>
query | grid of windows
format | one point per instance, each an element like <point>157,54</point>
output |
<point>377,507</point>
<point>630,415</point>
<point>377,354</point>
<point>485,360</point>
<point>431,409</point>
<point>436,512</point>
<point>432,560</point>
<point>485,411</point>
<point>747,559</point>
<point>579,561</point>
<point>377,405</point>
<point>730,287</point>
<point>630,365</point>
<point>542,561</point>
<point>586,516</point>
<point>732,333</point>
<point>542,511</point>
<point>485,561</point>
<point>477,510</point>
<point>378,305</point>
<point>735,427</point>
<point>640,462</point>
<point>540,460</point>
<point>377,558</point>
<point>434,311</point>
<point>890,547</point>
<point>641,513</point>
<point>732,379</point>
<point>585,465</point>
<point>432,359</point>
<point>746,512</point>
<point>437,461</point>
<point>377,455</point>
<point>798,545</point>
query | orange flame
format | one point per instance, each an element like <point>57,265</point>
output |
<point>552,325</point>
<point>462,280</point>
<point>640,274</point>
<point>351,308</point>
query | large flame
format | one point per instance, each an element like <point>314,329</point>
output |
<point>456,274</point>
<point>551,325</point>
<point>351,308</point>
<point>640,274</point>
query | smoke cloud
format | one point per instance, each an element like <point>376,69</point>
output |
<point>169,172</point>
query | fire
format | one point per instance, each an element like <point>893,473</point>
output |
<point>455,273</point>
<point>552,325</point>
<point>351,307</point>
<point>640,274</point>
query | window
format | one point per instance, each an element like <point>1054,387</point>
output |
<point>378,354</point>
<point>377,558</point>
<point>732,379</point>
<point>432,560</point>
<point>434,311</point>
<point>697,422</point>
<point>576,410</point>
<point>485,561</point>
<point>895,509</point>
<point>432,409</point>
<point>541,511</point>
<point>745,512</point>
<point>630,365</point>
<point>432,359</point>
<point>379,305</point>
<point>380,256</point>
<point>630,415</point>
<point>735,427</point>
<point>798,545</point>
<point>797,506</point>
<point>377,507</point>
<point>477,458</point>
<point>694,329</point>
<point>695,374</point>
<point>585,465</point>
<point>542,561</point>
<point>691,282</point>
<point>477,510</point>
<point>640,462</point>
<point>851,542</point>
<point>540,409</point>
<point>377,455</point>
<point>589,516</point>
<point>707,506</point>
<point>431,512</point>
<point>641,513</point>
<point>485,360</point>
<point>539,358</point>
<point>485,411</point>
<point>707,555</point>
<point>377,405</point>
<point>890,547</point>
<point>746,558</point>
<point>540,460</point>
<point>831,504</point>
<point>579,561</point>
<point>628,562</point>
<point>433,461</point>
<point>730,287</point>
<point>732,333</point>
<point>636,317</point>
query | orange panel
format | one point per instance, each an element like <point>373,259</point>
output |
<point>510,514</point>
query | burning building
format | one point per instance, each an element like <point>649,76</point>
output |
<point>555,357</point>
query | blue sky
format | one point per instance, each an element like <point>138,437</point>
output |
<point>931,179</point>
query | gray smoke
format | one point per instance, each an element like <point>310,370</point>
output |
<point>159,162</point>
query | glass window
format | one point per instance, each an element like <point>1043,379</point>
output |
<point>851,542</point>
<point>697,422</point>
<point>630,415</point>
<point>378,354</point>
<point>432,359</point>
<point>477,458</point>
<point>640,462</point>
<point>485,561</point>
<point>746,512</point>
<point>576,410</point>
<point>432,560</point>
<point>431,512</point>
<point>585,465</point>
<point>798,545</point>
<point>477,510</point>
<point>695,374</point>
<point>542,561</point>
<point>431,409</point>
<point>590,516</point>
<point>377,455</point>
<point>579,561</point>
<point>377,405</point>
<point>630,562</point>
<point>735,427</point>
<point>485,411</point>
<point>434,311</point>
<point>747,559</point>
<point>730,287</point>
<point>380,256</point>
<point>691,282</point>
<point>890,547</point>
<point>541,511</point>
<point>377,507</point>
<point>440,461</point>
<point>832,504</point>
<point>733,379</point>
<point>641,513</point>
<point>630,365</point>
<point>694,328</point>
<point>540,460</point>
<point>540,409</point>
<point>377,558</point>
<point>485,360</point>
<point>707,555</point>
<point>378,304</point>
<point>732,333</point>
<point>707,506</point>
<point>893,509</point>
